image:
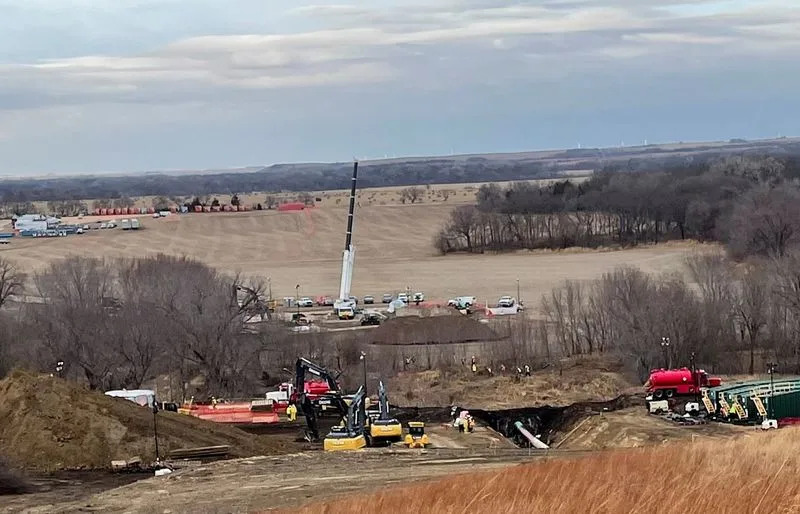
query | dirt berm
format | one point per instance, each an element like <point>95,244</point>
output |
<point>48,424</point>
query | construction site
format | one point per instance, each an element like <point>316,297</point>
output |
<point>433,392</point>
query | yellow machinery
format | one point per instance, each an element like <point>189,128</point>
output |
<point>350,434</point>
<point>383,429</point>
<point>416,437</point>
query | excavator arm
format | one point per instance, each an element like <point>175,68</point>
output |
<point>383,401</point>
<point>303,366</point>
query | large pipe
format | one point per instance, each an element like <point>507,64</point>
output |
<point>534,441</point>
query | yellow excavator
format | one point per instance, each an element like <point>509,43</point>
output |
<point>383,429</point>
<point>416,436</point>
<point>350,434</point>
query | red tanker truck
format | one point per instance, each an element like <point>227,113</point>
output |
<point>666,383</point>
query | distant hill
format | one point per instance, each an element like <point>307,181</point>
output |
<point>387,172</point>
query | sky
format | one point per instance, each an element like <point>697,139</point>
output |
<point>140,85</point>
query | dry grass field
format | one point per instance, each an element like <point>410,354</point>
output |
<point>750,474</point>
<point>394,250</point>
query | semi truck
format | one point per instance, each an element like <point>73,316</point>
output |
<point>667,383</point>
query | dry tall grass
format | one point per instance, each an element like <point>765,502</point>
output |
<point>753,474</point>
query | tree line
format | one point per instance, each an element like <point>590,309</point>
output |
<point>752,203</point>
<point>396,172</point>
<point>731,319</point>
<point>117,323</point>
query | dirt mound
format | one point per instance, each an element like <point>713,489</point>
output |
<point>454,328</point>
<point>47,423</point>
<point>549,387</point>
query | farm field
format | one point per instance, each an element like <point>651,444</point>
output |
<point>394,250</point>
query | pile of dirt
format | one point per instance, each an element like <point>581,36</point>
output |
<point>453,328</point>
<point>549,387</point>
<point>48,424</point>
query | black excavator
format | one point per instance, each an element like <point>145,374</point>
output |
<point>314,404</point>
<point>350,435</point>
<point>383,429</point>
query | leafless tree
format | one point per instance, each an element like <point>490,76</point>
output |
<point>463,222</point>
<point>765,222</point>
<point>411,194</point>
<point>11,281</point>
<point>752,307</point>
<point>76,317</point>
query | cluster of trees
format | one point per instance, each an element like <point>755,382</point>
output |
<point>732,319</point>
<point>116,323</point>
<point>750,202</point>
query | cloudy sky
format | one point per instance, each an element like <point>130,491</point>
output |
<point>126,85</point>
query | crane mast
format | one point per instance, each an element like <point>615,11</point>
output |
<point>349,250</point>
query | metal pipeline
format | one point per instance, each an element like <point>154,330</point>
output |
<point>536,443</point>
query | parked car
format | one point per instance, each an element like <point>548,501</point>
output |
<point>387,298</point>
<point>305,302</point>
<point>403,297</point>
<point>506,301</point>
<point>354,299</point>
<point>369,299</point>
<point>324,301</point>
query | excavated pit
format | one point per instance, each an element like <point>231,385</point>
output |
<point>546,422</point>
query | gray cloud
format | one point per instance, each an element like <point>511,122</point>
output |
<point>311,60</point>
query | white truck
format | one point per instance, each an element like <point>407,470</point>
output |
<point>506,301</point>
<point>125,224</point>
<point>461,302</point>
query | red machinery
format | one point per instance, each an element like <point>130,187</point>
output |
<point>666,383</point>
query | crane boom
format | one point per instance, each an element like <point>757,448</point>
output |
<point>348,255</point>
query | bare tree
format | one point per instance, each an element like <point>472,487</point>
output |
<point>752,308</point>
<point>77,317</point>
<point>411,194</point>
<point>11,281</point>
<point>765,222</point>
<point>463,221</point>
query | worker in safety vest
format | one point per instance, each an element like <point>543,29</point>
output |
<point>213,402</point>
<point>291,411</point>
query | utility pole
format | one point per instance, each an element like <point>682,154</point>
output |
<point>665,347</point>
<point>695,385</point>
<point>155,429</point>
<point>363,359</point>
<point>771,367</point>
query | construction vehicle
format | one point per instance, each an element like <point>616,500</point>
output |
<point>667,383</point>
<point>383,429</point>
<point>416,436</point>
<point>314,397</point>
<point>350,434</point>
<point>345,306</point>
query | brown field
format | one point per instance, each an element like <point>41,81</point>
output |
<point>393,242</point>
<point>752,474</point>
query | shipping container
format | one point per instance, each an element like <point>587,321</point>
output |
<point>97,212</point>
<point>173,209</point>
<point>103,212</point>
<point>151,210</point>
<point>784,405</point>
<point>215,208</point>
<point>227,208</point>
<point>198,208</point>
<point>206,208</point>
